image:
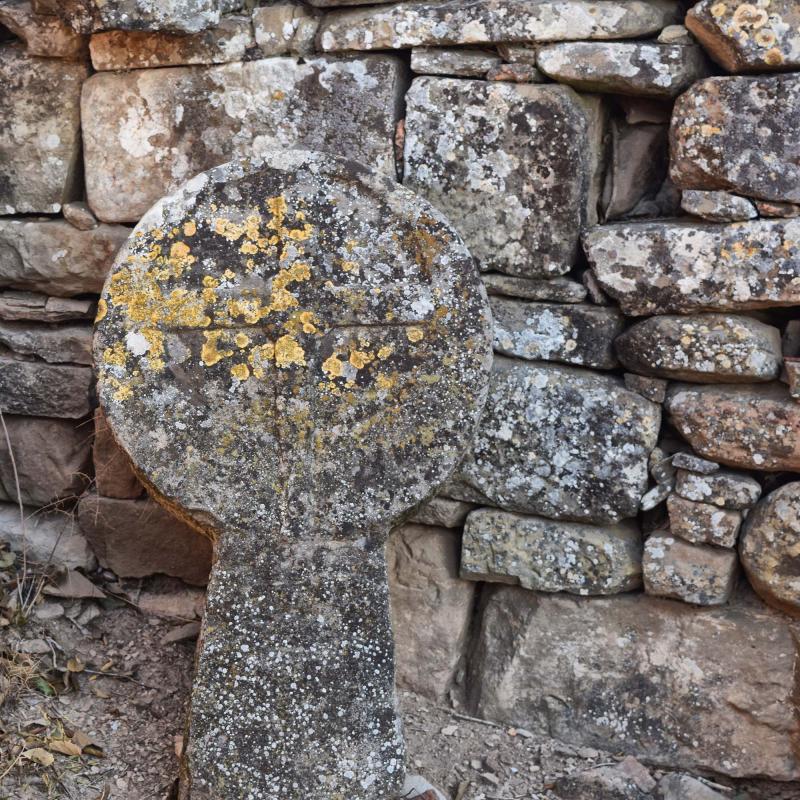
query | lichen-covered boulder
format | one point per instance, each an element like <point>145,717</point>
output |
<point>708,348</point>
<point>44,34</point>
<point>181,120</point>
<point>768,548</point>
<point>40,132</point>
<point>717,206</point>
<point>662,267</point>
<point>739,133</point>
<point>513,166</point>
<point>748,37</point>
<point>560,442</point>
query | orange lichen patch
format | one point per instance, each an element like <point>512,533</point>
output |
<point>386,382</point>
<point>241,339</point>
<point>210,353</point>
<point>155,342</point>
<point>240,371</point>
<point>773,57</point>
<point>232,231</point>
<point>359,359</point>
<point>288,351</point>
<point>249,309</point>
<point>259,357</point>
<point>102,310</point>
<point>385,352</point>
<point>115,355</point>
<point>189,228</point>
<point>122,391</point>
<point>414,334</point>
<point>333,366</point>
<point>749,16</point>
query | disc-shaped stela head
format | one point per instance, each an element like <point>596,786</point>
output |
<point>294,343</point>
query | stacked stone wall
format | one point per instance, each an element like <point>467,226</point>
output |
<point>615,561</point>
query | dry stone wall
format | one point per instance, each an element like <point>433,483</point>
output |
<point>629,189</point>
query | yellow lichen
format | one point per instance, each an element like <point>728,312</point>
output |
<point>240,372</point>
<point>241,339</point>
<point>414,334</point>
<point>359,359</point>
<point>115,355</point>
<point>210,353</point>
<point>102,310</point>
<point>189,228</point>
<point>288,351</point>
<point>385,352</point>
<point>333,366</point>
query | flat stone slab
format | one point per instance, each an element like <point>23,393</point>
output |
<point>466,63</point>
<point>491,21</point>
<point>182,120</point>
<point>556,290</point>
<point>559,442</point>
<point>550,556</point>
<point>56,345</point>
<point>38,389</point>
<point>663,267</point>
<point>703,523</point>
<point>724,488</point>
<point>677,686</point>
<point>20,305</point>
<point>310,342</point>
<point>717,206</point>
<point>40,151</point>
<point>737,133</point>
<point>636,68</point>
<point>512,166</point>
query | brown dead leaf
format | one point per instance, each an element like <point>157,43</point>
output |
<point>74,585</point>
<point>39,755</point>
<point>64,746</point>
<point>75,665</point>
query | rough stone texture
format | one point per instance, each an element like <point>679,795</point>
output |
<point>557,290</point>
<point>113,474</point>
<point>65,343</point>
<point>723,489</point>
<point>753,427</point>
<point>771,209</point>
<point>737,133</point>
<point>442,512</point>
<point>182,120</point>
<point>693,573</point>
<point>15,306</point>
<point>51,457</point>
<point>79,215</point>
<point>449,61</point>
<point>187,16</point>
<point>660,267</point>
<point>703,523</point>
<point>283,28</point>
<point>513,167</point>
<point>684,787</point>
<point>694,463</point>
<point>746,37</point>
<point>638,68</point>
<point>677,686</point>
<point>39,132</point>
<point>652,388</point>
<point>46,538</point>
<point>768,548</point>
<point>326,337</point>
<point>600,783</point>
<point>516,73</point>
<point>424,585</point>
<point>573,334</point>
<point>140,49</point>
<point>43,34</point>
<point>490,21</point>
<point>561,442</point>
<point>45,390</point>
<point>135,538</point>
<point>708,348</point>
<point>549,556</point>
<point>717,206</point>
<point>675,34</point>
<point>56,258</point>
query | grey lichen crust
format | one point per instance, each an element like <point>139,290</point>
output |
<point>294,352</point>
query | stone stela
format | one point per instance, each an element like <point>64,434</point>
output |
<point>294,352</point>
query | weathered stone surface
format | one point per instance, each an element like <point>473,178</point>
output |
<point>43,34</point>
<point>550,556</point>
<point>56,345</point>
<point>51,458</point>
<point>694,463</point>
<point>693,573</point>
<point>557,290</point>
<point>560,442</point>
<point>661,267</point>
<point>39,135</point>
<point>724,489</point>
<point>524,53</point>
<point>450,61</point>
<point>424,584</point>
<point>754,427</point>
<point>79,215</point>
<point>187,16</point>
<point>284,28</point>
<point>442,512</point>
<point>685,787</point>
<point>135,538</point>
<point>52,539</point>
<point>15,305</point>
<point>654,497</point>
<point>773,210</point>
<point>113,474</point>
<point>640,68</point>
<point>490,21</point>
<point>516,73</point>
<point>328,340</point>
<point>226,42</point>
<point>573,334</point>
<point>513,167</point>
<point>673,685</point>
<point>600,783</point>
<point>708,348</point>
<point>748,37</point>
<point>737,133</point>
<point>717,206</point>
<point>182,120</point>
<point>768,548</point>
<point>675,34</point>
<point>792,367</point>
<point>703,523</point>
<point>653,389</point>
<point>45,390</point>
<point>56,258</point>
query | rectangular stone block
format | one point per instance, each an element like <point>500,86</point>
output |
<point>513,166</point>
<point>60,344</point>
<point>40,136</point>
<point>179,121</point>
<point>44,34</point>
<point>113,474</point>
<point>703,522</point>
<point>45,390</point>
<point>684,688</point>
